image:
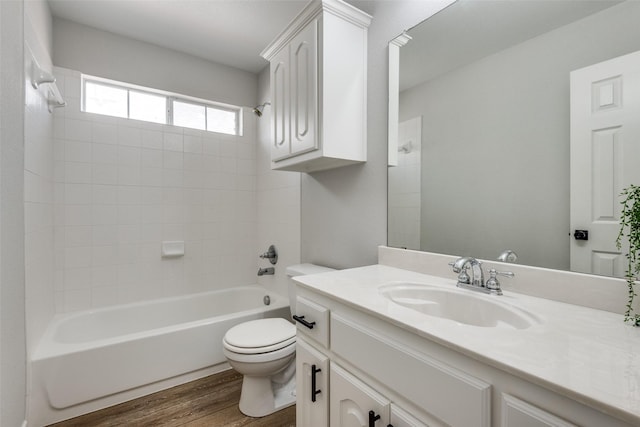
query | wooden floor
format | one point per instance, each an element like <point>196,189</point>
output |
<point>208,402</point>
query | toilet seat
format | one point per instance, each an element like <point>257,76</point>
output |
<point>260,336</point>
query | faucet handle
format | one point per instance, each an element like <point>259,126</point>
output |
<point>492,282</point>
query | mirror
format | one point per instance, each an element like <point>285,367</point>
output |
<point>483,148</point>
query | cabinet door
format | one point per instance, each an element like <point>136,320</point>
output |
<point>312,373</point>
<point>401,418</point>
<point>304,89</point>
<point>280,105</point>
<point>355,404</point>
<point>518,413</point>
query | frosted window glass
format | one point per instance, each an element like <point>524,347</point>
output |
<point>188,115</point>
<point>147,107</point>
<point>108,100</point>
<point>223,121</point>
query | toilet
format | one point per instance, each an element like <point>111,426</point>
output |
<point>264,351</point>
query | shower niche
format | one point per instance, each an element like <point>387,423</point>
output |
<point>318,73</point>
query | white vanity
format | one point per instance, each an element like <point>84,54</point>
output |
<point>368,355</point>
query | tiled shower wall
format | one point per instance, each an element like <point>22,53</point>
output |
<point>124,186</point>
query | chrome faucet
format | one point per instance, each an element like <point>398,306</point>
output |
<point>263,271</point>
<point>476,282</point>
<point>477,275</point>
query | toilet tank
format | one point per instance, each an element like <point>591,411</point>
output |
<point>301,270</point>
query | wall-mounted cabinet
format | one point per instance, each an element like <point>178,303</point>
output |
<point>318,69</point>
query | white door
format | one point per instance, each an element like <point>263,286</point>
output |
<point>355,404</point>
<point>401,418</point>
<point>605,158</point>
<point>312,380</point>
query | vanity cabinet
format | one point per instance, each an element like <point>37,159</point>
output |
<point>371,367</point>
<point>318,88</point>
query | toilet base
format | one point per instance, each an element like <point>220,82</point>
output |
<point>260,396</point>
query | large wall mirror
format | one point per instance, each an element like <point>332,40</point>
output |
<point>482,162</point>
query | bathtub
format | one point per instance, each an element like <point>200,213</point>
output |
<point>89,355</point>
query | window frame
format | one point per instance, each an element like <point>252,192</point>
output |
<point>170,98</point>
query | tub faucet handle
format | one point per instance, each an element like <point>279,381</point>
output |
<point>271,255</point>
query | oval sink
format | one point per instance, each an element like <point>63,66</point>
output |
<point>458,305</point>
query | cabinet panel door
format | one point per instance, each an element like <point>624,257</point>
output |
<point>312,374</point>
<point>304,89</point>
<point>280,105</point>
<point>518,413</point>
<point>352,402</point>
<point>401,418</point>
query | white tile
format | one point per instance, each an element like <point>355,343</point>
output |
<point>78,130</point>
<point>105,174</point>
<point>172,177</point>
<point>152,214</point>
<point>172,141</point>
<point>151,177</point>
<point>151,158</point>
<point>105,154</point>
<point>192,161</point>
<point>104,214</point>
<point>77,215</point>
<point>104,296</point>
<point>150,232</point>
<point>77,257</point>
<point>77,194</point>
<point>104,234</point>
<point>128,175</point>
<point>77,278</point>
<point>76,172</point>
<point>104,275</point>
<point>104,194</point>
<point>104,133</point>
<point>129,136</point>
<point>129,194</point>
<point>172,160</point>
<point>103,256</point>
<point>129,214</point>
<point>152,196</point>
<point>129,156</point>
<point>76,300</point>
<point>192,144</point>
<point>78,236</point>
<point>152,139</point>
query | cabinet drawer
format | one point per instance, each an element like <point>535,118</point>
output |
<point>437,388</point>
<point>312,320</point>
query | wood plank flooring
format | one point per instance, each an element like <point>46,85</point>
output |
<point>208,402</point>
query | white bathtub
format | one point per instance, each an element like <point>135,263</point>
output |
<point>88,355</point>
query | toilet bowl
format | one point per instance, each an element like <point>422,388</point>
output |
<point>263,351</point>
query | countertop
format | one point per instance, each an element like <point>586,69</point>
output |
<point>585,354</point>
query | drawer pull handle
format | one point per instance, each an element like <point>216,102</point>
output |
<point>314,392</point>
<point>373,418</point>
<point>300,319</point>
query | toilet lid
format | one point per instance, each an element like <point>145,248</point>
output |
<point>261,333</point>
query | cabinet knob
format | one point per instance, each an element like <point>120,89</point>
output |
<point>373,418</point>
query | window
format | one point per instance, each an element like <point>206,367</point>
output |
<point>111,98</point>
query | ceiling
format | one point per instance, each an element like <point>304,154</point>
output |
<point>230,32</point>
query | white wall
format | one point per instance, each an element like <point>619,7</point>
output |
<point>38,176</point>
<point>124,186</point>
<point>344,211</point>
<point>12,292</point>
<point>496,142</point>
<point>278,202</point>
<point>104,54</point>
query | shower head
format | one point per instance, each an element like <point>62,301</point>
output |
<point>258,110</point>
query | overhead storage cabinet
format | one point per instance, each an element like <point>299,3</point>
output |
<point>318,69</point>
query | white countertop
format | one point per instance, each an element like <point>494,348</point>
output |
<point>585,354</point>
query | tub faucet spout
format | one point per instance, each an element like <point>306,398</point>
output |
<point>263,271</point>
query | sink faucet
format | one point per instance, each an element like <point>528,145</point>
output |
<point>476,282</point>
<point>477,275</point>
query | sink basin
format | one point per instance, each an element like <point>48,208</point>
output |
<point>459,305</point>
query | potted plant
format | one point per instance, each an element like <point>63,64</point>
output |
<point>630,223</point>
